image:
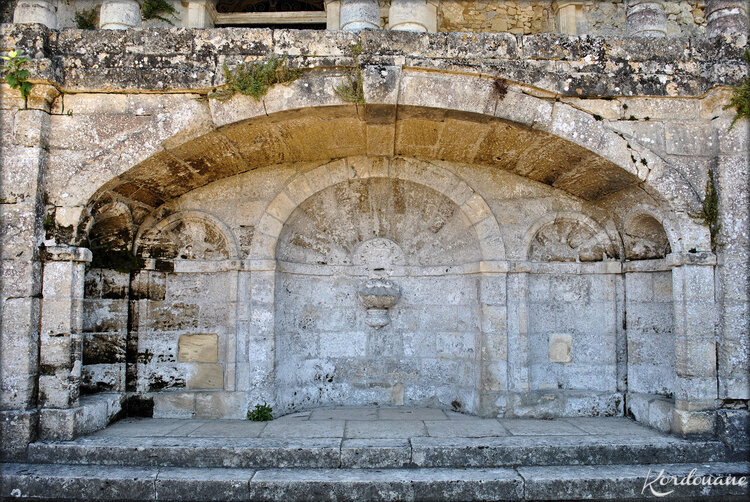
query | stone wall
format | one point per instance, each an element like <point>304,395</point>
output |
<point>571,158</point>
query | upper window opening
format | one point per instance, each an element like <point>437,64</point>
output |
<point>227,6</point>
<point>299,14</point>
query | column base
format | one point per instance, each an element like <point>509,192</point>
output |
<point>17,430</point>
<point>95,413</point>
<point>693,423</point>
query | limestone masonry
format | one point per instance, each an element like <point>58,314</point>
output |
<point>512,224</point>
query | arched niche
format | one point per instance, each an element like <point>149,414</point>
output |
<point>394,230</point>
<point>644,238</point>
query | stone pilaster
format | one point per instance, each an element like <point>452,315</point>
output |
<point>726,17</point>
<point>359,15</point>
<point>732,178</point>
<point>119,15</point>
<point>695,342</point>
<point>36,11</point>
<point>518,330</point>
<point>61,339</point>
<point>413,15</point>
<point>23,164</point>
<point>646,18</point>
<point>493,384</point>
<point>260,349</point>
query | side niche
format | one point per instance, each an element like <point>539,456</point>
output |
<point>568,239</point>
<point>112,228</point>
<point>645,238</point>
<point>187,236</point>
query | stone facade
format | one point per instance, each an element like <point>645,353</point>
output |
<point>532,199</point>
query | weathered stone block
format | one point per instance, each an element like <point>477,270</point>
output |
<point>206,376</point>
<point>18,429</point>
<point>560,348</point>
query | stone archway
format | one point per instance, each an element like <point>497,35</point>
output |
<point>529,146</point>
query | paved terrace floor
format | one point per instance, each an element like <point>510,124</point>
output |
<point>376,423</point>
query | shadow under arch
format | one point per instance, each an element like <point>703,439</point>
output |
<point>555,144</point>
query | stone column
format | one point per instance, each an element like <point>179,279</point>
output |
<point>200,14</point>
<point>646,18</point>
<point>23,165</point>
<point>695,342</point>
<point>726,17</point>
<point>36,11</point>
<point>359,15</point>
<point>412,15</point>
<point>119,15</point>
<point>60,340</point>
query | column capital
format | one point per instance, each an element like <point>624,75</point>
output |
<point>67,253</point>
<point>701,258</point>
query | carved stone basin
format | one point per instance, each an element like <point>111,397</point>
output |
<point>378,295</point>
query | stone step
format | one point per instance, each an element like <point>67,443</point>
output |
<point>319,453</point>
<point>631,482</point>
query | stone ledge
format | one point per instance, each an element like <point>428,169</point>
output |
<point>180,59</point>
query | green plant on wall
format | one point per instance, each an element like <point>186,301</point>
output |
<point>709,214</point>
<point>741,97</point>
<point>157,9</point>
<point>352,90</point>
<point>86,19</point>
<point>17,75</point>
<point>255,79</point>
<point>261,413</point>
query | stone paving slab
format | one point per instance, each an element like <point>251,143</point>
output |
<point>307,429</point>
<point>532,427</point>
<point>411,414</point>
<point>385,429</point>
<point>465,428</point>
<point>610,426</point>
<point>344,414</point>
<point>137,427</point>
<point>229,428</point>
